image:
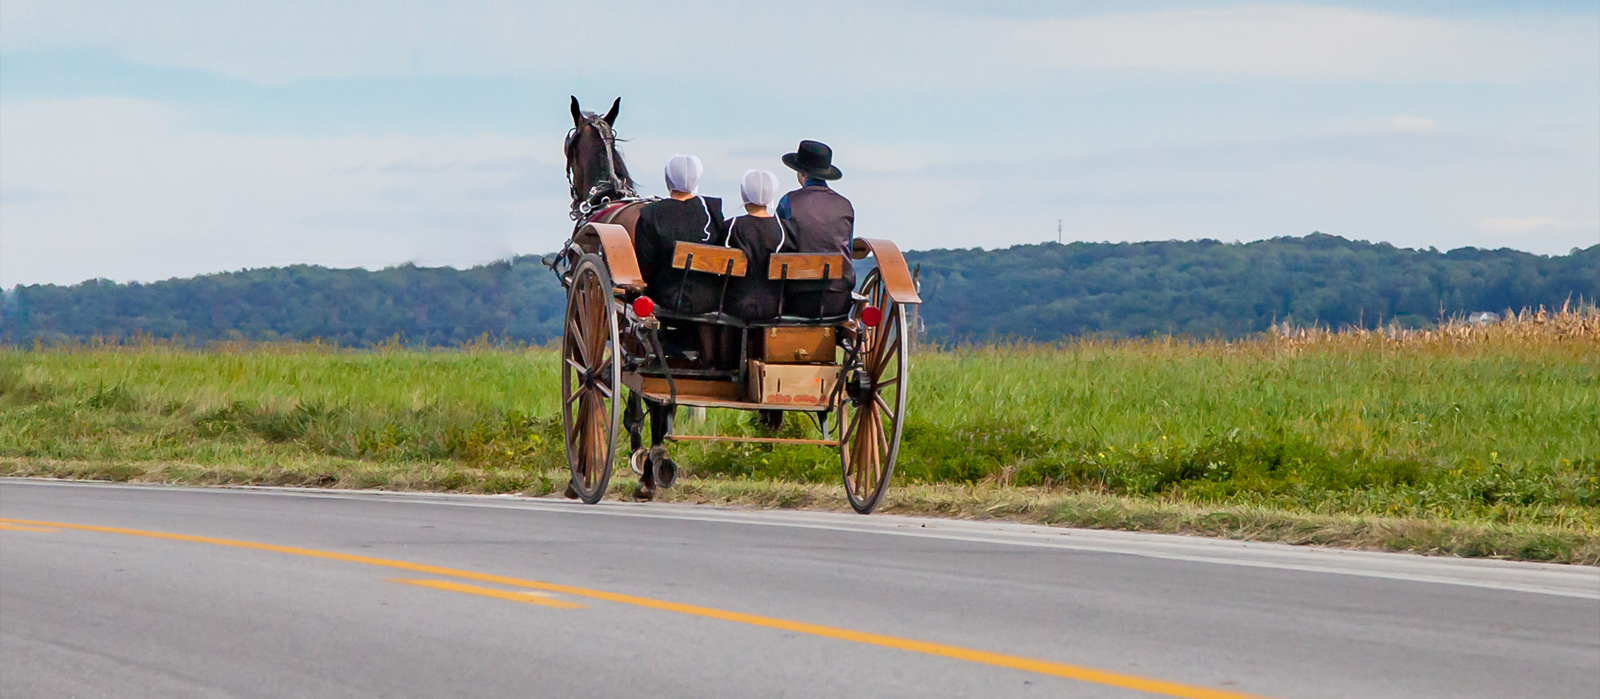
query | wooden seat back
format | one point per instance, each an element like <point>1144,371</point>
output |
<point>806,266</point>
<point>711,259</point>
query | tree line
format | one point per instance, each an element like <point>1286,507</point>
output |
<point>1042,292</point>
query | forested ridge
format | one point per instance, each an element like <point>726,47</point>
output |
<point>1206,288</point>
<point>1043,292</point>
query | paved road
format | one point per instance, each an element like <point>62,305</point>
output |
<point>123,591</point>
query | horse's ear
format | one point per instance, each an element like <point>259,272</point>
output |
<point>611,116</point>
<point>577,114</point>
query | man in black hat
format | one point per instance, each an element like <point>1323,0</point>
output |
<point>821,220</point>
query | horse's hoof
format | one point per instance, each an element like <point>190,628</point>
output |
<point>570,493</point>
<point>666,472</point>
<point>644,492</point>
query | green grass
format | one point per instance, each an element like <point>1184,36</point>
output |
<point>1477,447</point>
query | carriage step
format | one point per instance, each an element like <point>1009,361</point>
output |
<point>757,440</point>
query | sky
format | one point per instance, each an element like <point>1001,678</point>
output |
<point>141,141</point>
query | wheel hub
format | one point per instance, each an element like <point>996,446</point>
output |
<point>858,386</point>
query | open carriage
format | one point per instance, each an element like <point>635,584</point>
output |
<point>848,372</point>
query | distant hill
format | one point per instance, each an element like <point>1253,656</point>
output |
<point>1206,288</point>
<point>519,299</point>
<point>1044,292</point>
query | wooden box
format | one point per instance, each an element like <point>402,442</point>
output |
<point>794,384</point>
<point>797,346</point>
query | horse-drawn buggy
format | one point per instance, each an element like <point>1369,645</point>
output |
<point>621,368</point>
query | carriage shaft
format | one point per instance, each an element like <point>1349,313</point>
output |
<point>758,440</point>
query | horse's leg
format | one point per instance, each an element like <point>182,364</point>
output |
<point>660,422</point>
<point>633,421</point>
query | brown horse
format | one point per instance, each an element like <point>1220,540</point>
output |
<point>602,189</point>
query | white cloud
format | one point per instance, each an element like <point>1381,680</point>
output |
<point>1402,123</point>
<point>116,188</point>
<point>845,44</point>
<point>119,188</point>
<point>1523,224</point>
<point>1305,42</point>
<point>1411,123</point>
<point>1406,188</point>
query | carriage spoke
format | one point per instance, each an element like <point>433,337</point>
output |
<point>586,432</point>
<point>847,426</point>
<point>878,400</point>
<point>869,449</point>
<point>575,336</point>
<point>580,436</point>
<point>852,450</point>
<point>854,477</point>
<point>581,392</point>
<point>880,455</point>
<point>574,364</point>
<point>882,368</point>
<point>594,337</point>
<point>858,455</point>
<point>597,439</point>
<point>597,341</point>
<point>889,344</point>
<point>881,439</point>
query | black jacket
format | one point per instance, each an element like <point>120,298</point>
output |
<point>754,296</point>
<point>821,220</point>
<point>662,225</point>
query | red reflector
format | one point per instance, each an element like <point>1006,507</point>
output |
<point>871,316</point>
<point>643,306</point>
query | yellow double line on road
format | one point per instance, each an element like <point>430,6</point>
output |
<point>1043,667</point>
<point>20,528</point>
<point>529,596</point>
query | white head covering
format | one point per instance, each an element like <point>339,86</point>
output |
<point>759,187</point>
<point>683,173</point>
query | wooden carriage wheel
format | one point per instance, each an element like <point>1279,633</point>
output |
<point>872,410</point>
<point>591,379</point>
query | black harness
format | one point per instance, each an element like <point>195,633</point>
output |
<point>609,187</point>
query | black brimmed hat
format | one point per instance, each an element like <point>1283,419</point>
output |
<point>815,159</point>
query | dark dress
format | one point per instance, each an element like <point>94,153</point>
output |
<point>662,225</point>
<point>754,297</point>
<point>820,220</point>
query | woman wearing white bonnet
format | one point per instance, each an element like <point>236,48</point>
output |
<point>683,174</point>
<point>758,234</point>
<point>687,217</point>
<point>684,216</point>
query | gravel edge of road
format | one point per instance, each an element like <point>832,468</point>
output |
<point>1545,544</point>
<point>1517,576</point>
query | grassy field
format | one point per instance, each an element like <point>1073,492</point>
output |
<point>1479,441</point>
